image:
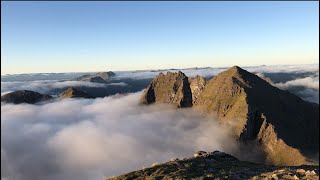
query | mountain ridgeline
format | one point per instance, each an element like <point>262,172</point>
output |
<point>219,165</point>
<point>25,96</point>
<point>283,125</point>
<point>31,97</point>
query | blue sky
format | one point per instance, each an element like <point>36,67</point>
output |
<point>99,36</point>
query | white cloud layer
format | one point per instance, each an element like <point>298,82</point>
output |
<point>44,86</point>
<point>308,82</point>
<point>95,138</point>
<point>307,88</point>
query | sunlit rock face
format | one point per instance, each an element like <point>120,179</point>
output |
<point>197,85</point>
<point>282,124</point>
<point>74,93</point>
<point>170,88</point>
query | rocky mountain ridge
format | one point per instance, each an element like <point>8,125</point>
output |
<point>32,97</point>
<point>24,96</point>
<point>219,165</point>
<point>257,111</point>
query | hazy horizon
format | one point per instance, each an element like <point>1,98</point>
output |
<point>161,69</point>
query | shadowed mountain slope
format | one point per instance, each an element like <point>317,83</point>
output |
<point>24,96</point>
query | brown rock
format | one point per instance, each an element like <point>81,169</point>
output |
<point>197,85</point>
<point>172,88</point>
<point>261,112</point>
<point>284,125</point>
<point>24,96</point>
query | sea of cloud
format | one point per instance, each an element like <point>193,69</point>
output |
<point>307,88</point>
<point>46,86</point>
<point>97,138</point>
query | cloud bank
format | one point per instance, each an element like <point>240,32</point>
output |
<point>45,86</point>
<point>97,138</point>
<point>307,88</point>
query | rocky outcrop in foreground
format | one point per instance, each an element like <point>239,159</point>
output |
<point>100,77</point>
<point>24,96</point>
<point>219,165</point>
<point>282,124</point>
<point>74,93</point>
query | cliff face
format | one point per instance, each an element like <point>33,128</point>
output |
<point>283,124</point>
<point>24,96</point>
<point>197,85</point>
<point>171,88</point>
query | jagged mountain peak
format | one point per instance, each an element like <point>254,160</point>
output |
<point>178,74</point>
<point>171,88</point>
<point>256,110</point>
<point>238,76</point>
<point>236,70</point>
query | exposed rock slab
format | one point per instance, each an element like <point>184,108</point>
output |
<point>170,88</point>
<point>197,85</point>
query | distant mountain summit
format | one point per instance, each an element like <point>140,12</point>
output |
<point>106,75</point>
<point>100,77</point>
<point>74,93</point>
<point>282,124</point>
<point>24,96</point>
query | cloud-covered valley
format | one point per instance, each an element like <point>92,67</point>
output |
<point>92,139</point>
